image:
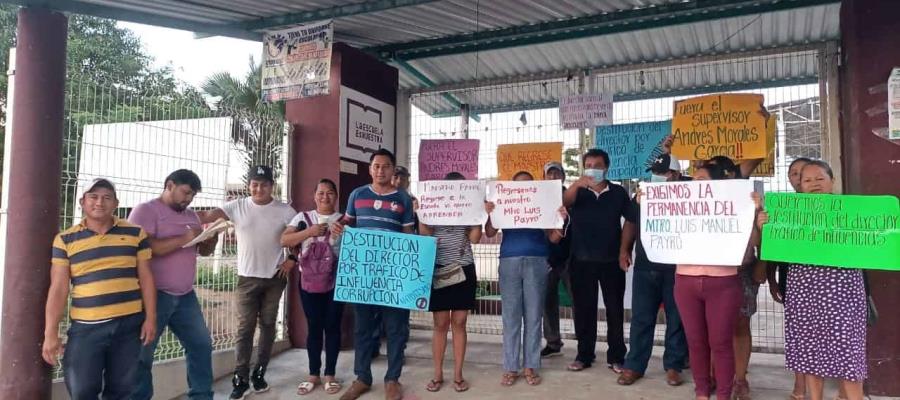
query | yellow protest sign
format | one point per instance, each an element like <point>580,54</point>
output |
<point>732,125</point>
<point>767,167</point>
<point>531,157</point>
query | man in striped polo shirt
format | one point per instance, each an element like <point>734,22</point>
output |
<point>107,262</point>
<point>379,206</point>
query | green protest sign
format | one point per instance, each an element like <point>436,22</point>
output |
<point>833,230</point>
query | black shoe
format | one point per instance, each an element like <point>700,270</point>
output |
<point>550,352</point>
<point>240,388</point>
<point>257,379</point>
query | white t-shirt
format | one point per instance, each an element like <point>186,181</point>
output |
<point>316,218</point>
<point>258,231</point>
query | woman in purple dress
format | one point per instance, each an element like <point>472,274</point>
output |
<point>825,313</point>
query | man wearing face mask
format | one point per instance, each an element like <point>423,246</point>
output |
<point>596,208</point>
<point>652,284</point>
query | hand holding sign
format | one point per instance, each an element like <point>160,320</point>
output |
<point>451,203</point>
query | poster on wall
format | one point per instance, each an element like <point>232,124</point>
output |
<point>731,125</point>
<point>366,125</point>
<point>297,61</point>
<point>632,147</point>
<point>697,222</point>
<point>585,111</point>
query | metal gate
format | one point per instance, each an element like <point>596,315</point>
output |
<point>793,81</point>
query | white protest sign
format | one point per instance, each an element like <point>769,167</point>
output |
<point>585,111</point>
<point>697,222</point>
<point>451,203</point>
<point>526,204</point>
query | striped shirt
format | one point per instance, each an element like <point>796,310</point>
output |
<point>103,269</point>
<point>453,246</point>
<point>388,212</point>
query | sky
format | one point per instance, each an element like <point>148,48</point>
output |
<point>196,59</point>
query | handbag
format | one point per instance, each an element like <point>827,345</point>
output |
<point>871,311</point>
<point>448,275</point>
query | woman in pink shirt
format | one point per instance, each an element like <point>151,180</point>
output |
<point>709,299</point>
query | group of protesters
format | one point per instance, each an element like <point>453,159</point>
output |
<point>129,280</point>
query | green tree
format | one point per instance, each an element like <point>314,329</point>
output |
<point>258,125</point>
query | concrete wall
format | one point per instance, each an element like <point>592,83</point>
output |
<point>169,377</point>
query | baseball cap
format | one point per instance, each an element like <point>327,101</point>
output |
<point>99,183</point>
<point>261,172</point>
<point>664,163</point>
<point>401,171</point>
<point>553,164</point>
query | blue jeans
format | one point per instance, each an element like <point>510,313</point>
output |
<point>523,286</point>
<point>183,317</point>
<point>650,288</point>
<point>396,323</point>
<point>102,358</point>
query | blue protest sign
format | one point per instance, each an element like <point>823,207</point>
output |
<point>385,268</point>
<point>631,147</point>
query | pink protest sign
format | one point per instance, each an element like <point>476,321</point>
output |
<point>439,157</point>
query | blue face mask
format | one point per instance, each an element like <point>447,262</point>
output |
<point>598,175</point>
<point>658,178</point>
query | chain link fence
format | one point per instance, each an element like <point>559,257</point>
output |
<point>526,112</point>
<point>135,137</point>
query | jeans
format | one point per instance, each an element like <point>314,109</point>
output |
<point>523,285</point>
<point>102,358</point>
<point>183,317</point>
<point>551,306</point>
<point>257,299</point>
<point>323,316</point>
<point>584,277</point>
<point>709,310</point>
<point>649,289</point>
<point>396,322</point>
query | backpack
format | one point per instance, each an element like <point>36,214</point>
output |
<point>317,264</point>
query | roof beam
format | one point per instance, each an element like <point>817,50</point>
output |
<point>428,82</point>
<point>122,14</point>
<point>328,13</point>
<point>589,26</point>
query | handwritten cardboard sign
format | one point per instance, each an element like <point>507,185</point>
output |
<point>732,125</point>
<point>438,157</point>
<point>451,203</point>
<point>531,157</point>
<point>585,111</point>
<point>385,268</point>
<point>833,230</point>
<point>631,147</point>
<point>526,204</point>
<point>767,167</point>
<point>697,222</point>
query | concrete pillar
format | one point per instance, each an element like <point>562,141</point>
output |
<point>317,148</point>
<point>870,163</point>
<point>34,200</point>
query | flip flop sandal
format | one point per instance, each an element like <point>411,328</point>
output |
<point>509,378</point>
<point>434,385</point>
<point>333,387</point>
<point>306,388</point>
<point>533,379</point>
<point>460,386</point>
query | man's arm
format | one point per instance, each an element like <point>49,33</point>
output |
<point>409,229</point>
<point>571,194</point>
<point>148,295</point>
<point>629,232</point>
<point>210,216</point>
<point>748,166</point>
<point>208,247</point>
<point>57,298</point>
<point>162,247</point>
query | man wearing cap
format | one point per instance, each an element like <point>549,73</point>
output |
<point>259,220</point>
<point>171,225</point>
<point>107,263</point>
<point>652,284</point>
<point>558,261</point>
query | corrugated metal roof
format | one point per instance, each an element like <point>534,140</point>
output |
<point>399,23</point>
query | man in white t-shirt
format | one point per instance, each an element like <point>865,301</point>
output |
<point>259,221</point>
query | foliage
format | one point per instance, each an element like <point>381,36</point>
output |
<point>225,280</point>
<point>258,125</point>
